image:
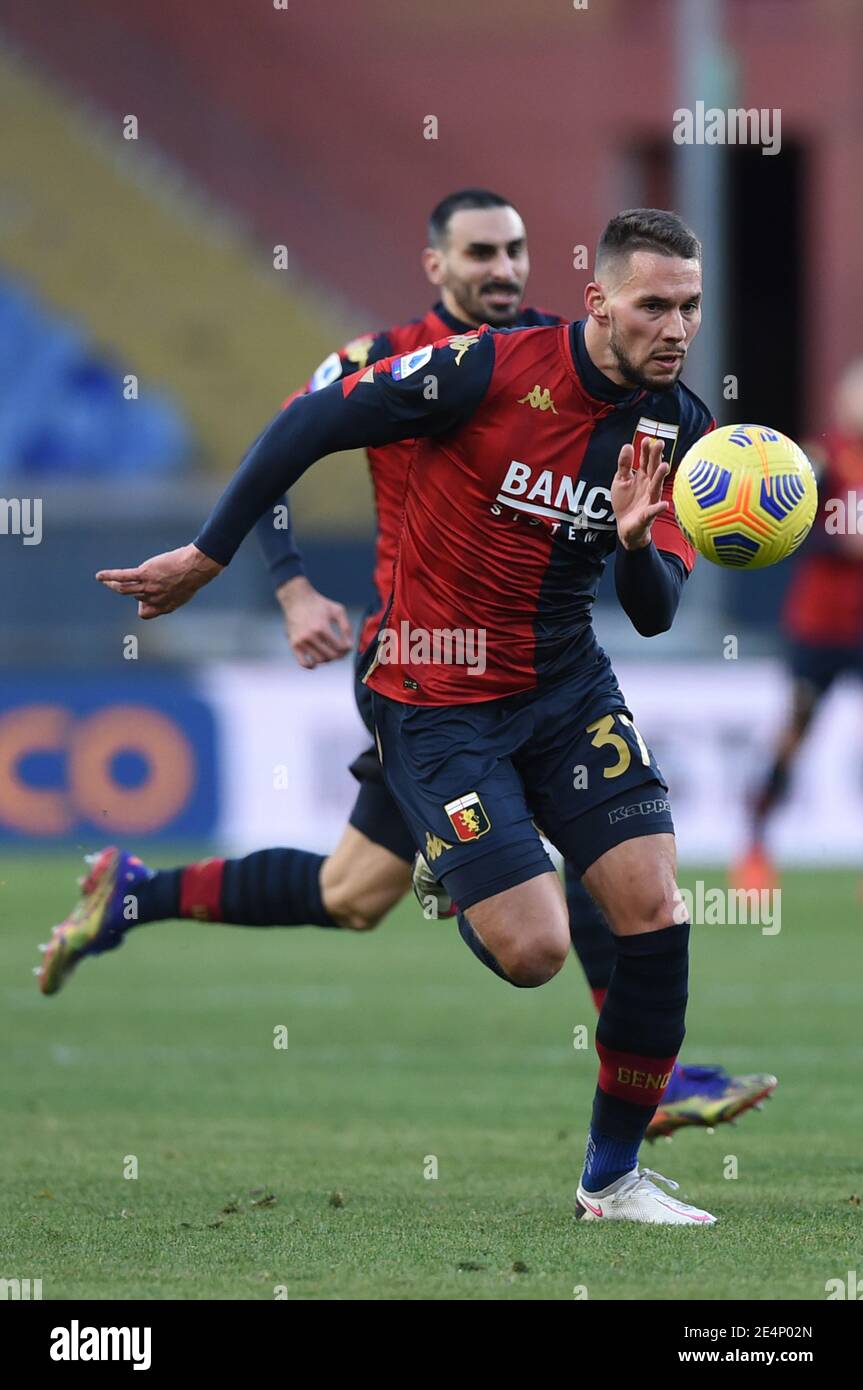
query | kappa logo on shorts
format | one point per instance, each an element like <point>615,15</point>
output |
<point>639,808</point>
<point>467,817</point>
<point>435,846</point>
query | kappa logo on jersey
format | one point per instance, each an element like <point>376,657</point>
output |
<point>539,398</point>
<point>540,492</point>
<point>462,343</point>
<point>411,362</point>
<point>358,350</point>
<point>329,371</point>
<point>467,817</point>
<point>656,429</point>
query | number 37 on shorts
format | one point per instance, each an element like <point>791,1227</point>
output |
<point>622,749</point>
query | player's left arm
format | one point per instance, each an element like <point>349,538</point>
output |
<point>653,558</point>
<point>385,404</point>
<point>648,582</point>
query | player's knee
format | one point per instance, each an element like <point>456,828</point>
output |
<point>662,907</point>
<point>532,961</point>
<point>355,915</point>
<point>348,905</point>
<point>658,904</point>
<point>358,920</point>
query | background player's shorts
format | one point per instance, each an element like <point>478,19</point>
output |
<point>818,666</point>
<point>362,693</point>
<point>375,813</point>
<point>475,781</point>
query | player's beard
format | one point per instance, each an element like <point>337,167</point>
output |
<point>633,374</point>
<point>476,310</point>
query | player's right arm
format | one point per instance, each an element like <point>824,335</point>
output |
<point>430,391</point>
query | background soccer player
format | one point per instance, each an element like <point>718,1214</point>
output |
<point>822,618</point>
<point>477,256</point>
<point>506,533</point>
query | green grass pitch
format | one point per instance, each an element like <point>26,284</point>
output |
<point>304,1169</point>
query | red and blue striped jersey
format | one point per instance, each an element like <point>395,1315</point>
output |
<point>507,522</point>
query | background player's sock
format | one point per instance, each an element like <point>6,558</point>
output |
<point>270,888</point>
<point>592,939</point>
<point>639,1034</point>
<point>158,897</point>
<point>470,938</point>
<point>772,791</point>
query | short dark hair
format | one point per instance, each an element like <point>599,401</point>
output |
<point>647,229</point>
<point>455,202</point>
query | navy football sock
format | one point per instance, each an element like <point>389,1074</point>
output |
<point>470,938</point>
<point>592,938</point>
<point>606,1160</point>
<point>159,896</point>
<point>270,888</point>
<point>640,1031</point>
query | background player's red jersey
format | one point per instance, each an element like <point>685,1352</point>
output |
<point>824,605</point>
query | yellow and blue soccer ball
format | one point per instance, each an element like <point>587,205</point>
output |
<point>745,496</point>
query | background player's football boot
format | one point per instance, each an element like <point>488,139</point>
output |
<point>707,1096</point>
<point>634,1197</point>
<point>431,895</point>
<point>96,922</point>
<point>754,872</point>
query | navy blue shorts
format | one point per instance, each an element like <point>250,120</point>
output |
<point>476,782</point>
<point>375,813</point>
<point>819,666</point>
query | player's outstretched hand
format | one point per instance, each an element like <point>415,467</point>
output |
<point>165,582</point>
<point>636,492</point>
<point>317,628</point>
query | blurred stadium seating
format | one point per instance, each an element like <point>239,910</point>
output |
<point>62,408</point>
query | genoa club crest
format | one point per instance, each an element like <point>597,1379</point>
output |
<point>655,429</point>
<point>467,817</point>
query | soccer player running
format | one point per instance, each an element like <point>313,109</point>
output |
<point>511,513</point>
<point>822,618</point>
<point>477,256</point>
